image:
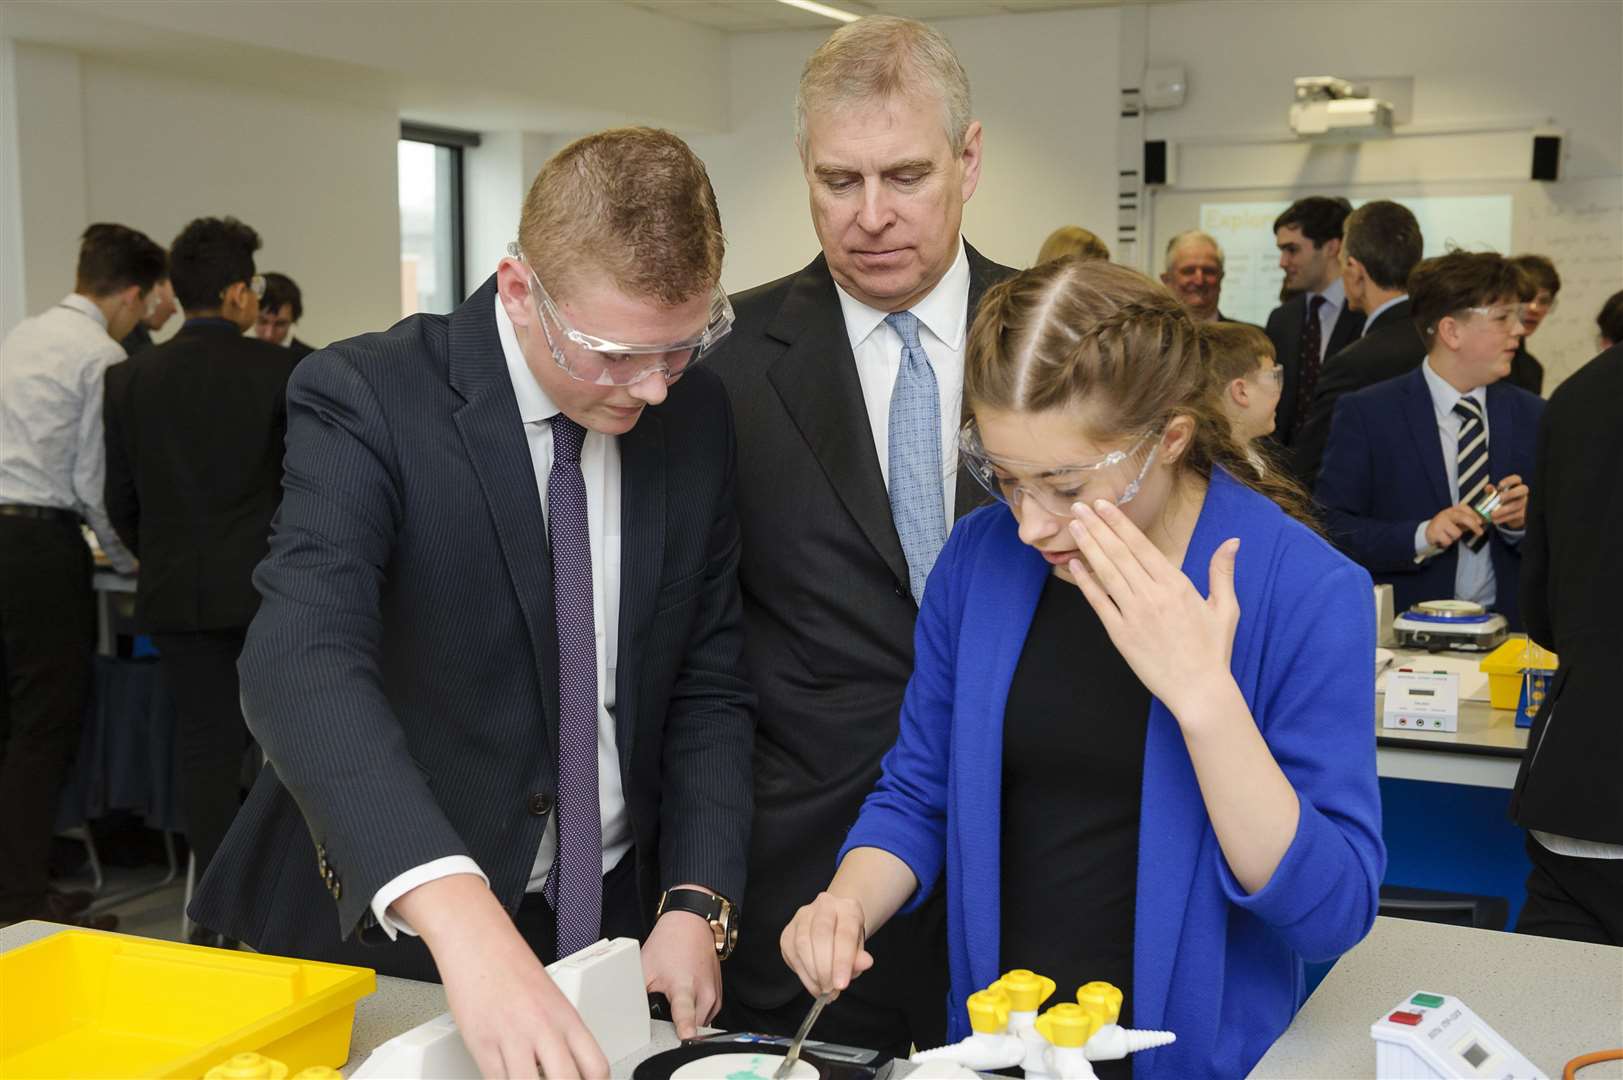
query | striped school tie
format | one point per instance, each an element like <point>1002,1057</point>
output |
<point>1472,458</point>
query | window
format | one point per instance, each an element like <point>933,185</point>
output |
<point>430,168</point>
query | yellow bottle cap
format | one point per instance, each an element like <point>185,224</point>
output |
<point>318,1072</point>
<point>1026,989</point>
<point>1101,1000</point>
<point>248,1066</point>
<point>988,1011</point>
<point>1067,1025</point>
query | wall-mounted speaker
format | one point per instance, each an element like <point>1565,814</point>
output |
<point>1157,162</point>
<point>1546,157</point>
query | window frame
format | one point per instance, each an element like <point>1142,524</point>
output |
<point>456,141</point>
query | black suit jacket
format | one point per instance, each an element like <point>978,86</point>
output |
<point>826,597</point>
<point>299,349</point>
<point>402,673</point>
<point>1571,594</point>
<point>1284,329</point>
<point>194,433</point>
<point>1390,347</point>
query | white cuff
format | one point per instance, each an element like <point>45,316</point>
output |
<point>399,886</point>
<point>1420,541</point>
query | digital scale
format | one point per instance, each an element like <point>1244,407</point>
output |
<point>1436,625</point>
<point>745,1055</point>
<point>1437,1037</point>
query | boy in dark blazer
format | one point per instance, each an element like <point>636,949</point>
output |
<point>1407,458</point>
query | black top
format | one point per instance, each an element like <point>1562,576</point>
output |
<point>1073,770</point>
<point>1525,371</point>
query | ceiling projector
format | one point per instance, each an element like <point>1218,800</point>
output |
<point>1328,109</point>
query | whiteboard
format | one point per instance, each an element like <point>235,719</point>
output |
<point>1579,224</point>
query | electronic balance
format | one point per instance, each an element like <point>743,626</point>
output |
<point>1436,625</point>
<point>1437,1037</point>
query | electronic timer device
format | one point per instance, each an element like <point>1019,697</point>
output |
<point>1430,1036</point>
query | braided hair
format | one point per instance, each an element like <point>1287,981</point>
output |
<point>1076,332</point>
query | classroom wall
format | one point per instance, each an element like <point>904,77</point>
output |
<point>98,141</point>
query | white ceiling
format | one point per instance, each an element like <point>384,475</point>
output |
<point>746,16</point>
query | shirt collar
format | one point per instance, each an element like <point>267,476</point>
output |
<point>533,403</point>
<point>1369,320</point>
<point>84,306</point>
<point>1444,396</point>
<point>943,311</point>
<point>1335,294</point>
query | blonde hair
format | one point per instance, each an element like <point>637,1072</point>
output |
<point>1072,240</point>
<point>1081,332</point>
<point>881,57</point>
<point>634,203</point>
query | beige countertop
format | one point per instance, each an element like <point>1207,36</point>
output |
<point>1553,1000</point>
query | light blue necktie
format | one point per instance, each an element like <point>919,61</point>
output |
<point>915,456</point>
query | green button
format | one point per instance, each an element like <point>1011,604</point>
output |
<point>1430,1001</point>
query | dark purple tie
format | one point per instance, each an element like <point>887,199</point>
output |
<point>1307,373</point>
<point>575,885</point>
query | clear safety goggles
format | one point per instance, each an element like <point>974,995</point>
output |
<point>614,363</point>
<point>1274,377</point>
<point>1502,316</point>
<point>1056,487</point>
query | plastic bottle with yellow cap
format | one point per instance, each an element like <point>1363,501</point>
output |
<point>247,1066</point>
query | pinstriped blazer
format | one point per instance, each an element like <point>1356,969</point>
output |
<point>401,674</point>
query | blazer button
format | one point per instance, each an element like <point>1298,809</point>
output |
<point>540,804</point>
<point>900,589</point>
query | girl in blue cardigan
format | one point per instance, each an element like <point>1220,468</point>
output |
<point>1137,743</point>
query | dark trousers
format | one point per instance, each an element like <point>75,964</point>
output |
<point>899,1003</point>
<point>47,639</point>
<point>1575,899</point>
<point>200,669</point>
<point>408,958</point>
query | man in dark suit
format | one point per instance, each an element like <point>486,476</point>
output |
<point>282,309</point>
<point>1566,793</point>
<point>497,671</point>
<point>1407,458</point>
<point>194,475</point>
<point>1316,322</point>
<point>1383,245</point>
<point>841,524</point>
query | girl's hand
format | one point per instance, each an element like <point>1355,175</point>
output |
<point>1178,643</point>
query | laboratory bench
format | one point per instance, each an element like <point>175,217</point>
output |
<point>1552,1000</point>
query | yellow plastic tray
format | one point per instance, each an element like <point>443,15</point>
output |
<point>1505,665</point>
<point>86,1004</point>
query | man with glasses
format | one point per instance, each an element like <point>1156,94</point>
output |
<point>194,475</point>
<point>497,672</point>
<point>1410,461</point>
<point>846,383</point>
<point>51,461</point>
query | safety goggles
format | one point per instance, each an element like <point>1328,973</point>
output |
<point>614,363</point>
<point>1502,315</point>
<point>1056,487</point>
<point>1274,377</point>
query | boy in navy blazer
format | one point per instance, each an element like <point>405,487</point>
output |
<point>1407,457</point>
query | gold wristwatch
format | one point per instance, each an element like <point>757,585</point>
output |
<point>713,908</point>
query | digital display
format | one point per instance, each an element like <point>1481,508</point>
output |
<point>1413,692</point>
<point>1474,1055</point>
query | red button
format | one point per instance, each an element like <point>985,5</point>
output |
<point>1404,1018</point>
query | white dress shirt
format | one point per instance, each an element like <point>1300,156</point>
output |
<point>943,325</point>
<point>51,444</point>
<point>1369,320</point>
<point>1473,574</point>
<point>1335,302</point>
<point>600,468</point>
